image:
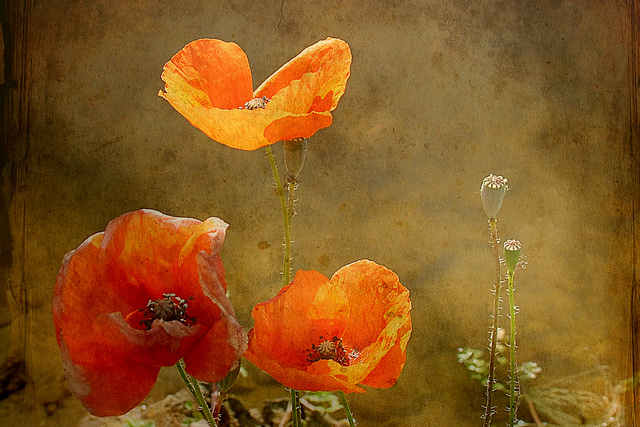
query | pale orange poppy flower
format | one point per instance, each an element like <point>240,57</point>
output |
<point>209,83</point>
<point>143,294</point>
<point>326,335</point>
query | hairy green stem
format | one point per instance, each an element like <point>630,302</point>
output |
<point>345,405</point>
<point>194,388</point>
<point>513,381</point>
<point>296,411</point>
<point>291,187</point>
<point>488,414</point>
<point>286,264</point>
<point>287,213</point>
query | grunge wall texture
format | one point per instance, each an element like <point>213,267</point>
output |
<point>441,94</point>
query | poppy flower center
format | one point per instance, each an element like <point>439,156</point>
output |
<point>256,103</point>
<point>168,308</point>
<point>331,349</point>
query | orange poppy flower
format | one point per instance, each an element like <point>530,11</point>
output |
<point>209,83</point>
<point>326,335</point>
<point>143,294</point>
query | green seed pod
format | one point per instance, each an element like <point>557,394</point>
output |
<point>512,254</point>
<point>295,153</point>
<point>492,192</point>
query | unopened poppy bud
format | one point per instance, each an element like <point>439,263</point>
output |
<point>512,254</point>
<point>492,192</point>
<point>295,153</point>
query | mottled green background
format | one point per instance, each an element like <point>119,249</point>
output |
<point>441,94</point>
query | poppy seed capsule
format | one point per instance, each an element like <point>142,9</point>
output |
<point>492,192</point>
<point>512,254</point>
<point>295,153</point>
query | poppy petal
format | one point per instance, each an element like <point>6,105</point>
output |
<point>147,254</point>
<point>386,372</point>
<point>302,312</point>
<point>363,304</point>
<point>220,350</point>
<point>240,129</point>
<point>319,70</point>
<point>209,81</point>
<point>208,73</point>
<point>321,377</point>
<point>291,127</point>
<point>375,294</point>
<point>104,286</point>
<point>122,385</point>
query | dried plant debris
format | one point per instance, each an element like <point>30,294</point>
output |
<point>588,398</point>
<point>585,399</point>
<point>12,377</point>
<point>318,410</point>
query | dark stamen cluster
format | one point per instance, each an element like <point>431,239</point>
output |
<point>256,103</point>
<point>168,308</point>
<point>331,349</point>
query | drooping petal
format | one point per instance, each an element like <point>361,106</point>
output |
<point>220,350</point>
<point>121,386</point>
<point>104,285</point>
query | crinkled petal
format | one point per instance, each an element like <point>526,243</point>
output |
<point>375,296</point>
<point>146,254</point>
<point>220,350</point>
<point>388,369</point>
<point>379,321</point>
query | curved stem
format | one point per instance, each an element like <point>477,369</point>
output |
<point>534,413</point>
<point>286,264</point>
<point>345,405</point>
<point>513,381</point>
<point>494,328</point>
<point>219,396</point>
<point>185,377</point>
<point>194,388</point>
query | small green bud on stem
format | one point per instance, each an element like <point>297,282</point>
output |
<point>512,254</point>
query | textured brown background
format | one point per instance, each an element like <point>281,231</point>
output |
<point>441,94</point>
